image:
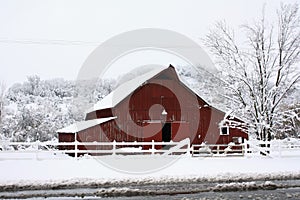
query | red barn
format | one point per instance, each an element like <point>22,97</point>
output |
<point>154,106</point>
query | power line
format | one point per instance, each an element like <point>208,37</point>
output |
<point>49,42</point>
<point>75,43</point>
<point>81,43</point>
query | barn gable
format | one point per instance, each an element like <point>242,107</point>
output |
<point>124,90</point>
<point>104,107</point>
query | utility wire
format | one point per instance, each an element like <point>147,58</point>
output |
<point>75,43</point>
<point>48,42</point>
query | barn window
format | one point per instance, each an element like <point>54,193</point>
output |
<point>224,130</point>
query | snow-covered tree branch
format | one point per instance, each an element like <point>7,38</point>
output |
<point>262,73</point>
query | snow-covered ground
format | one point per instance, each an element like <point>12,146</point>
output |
<point>60,176</point>
<point>34,167</point>
<point>35,173</point>
<point>87,170</point>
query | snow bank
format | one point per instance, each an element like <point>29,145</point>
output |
<point>87,171</point>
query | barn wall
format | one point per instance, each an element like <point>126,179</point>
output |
<point>104,113</point>
<point>182,108</point>
<point>139,116</point>
<point>66,137</point>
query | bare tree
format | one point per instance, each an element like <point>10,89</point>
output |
<point>260,73</point>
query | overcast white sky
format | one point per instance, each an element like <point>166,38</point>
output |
<point>53,38</point>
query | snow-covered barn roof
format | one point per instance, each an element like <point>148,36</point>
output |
<point>79,126</point>
<point>124,90</point>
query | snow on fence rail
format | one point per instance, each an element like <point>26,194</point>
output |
<point>36,149</point>
<point>50,149</point>
<point>276,148</point>
<point>279,148</point>
<point>230,149</point>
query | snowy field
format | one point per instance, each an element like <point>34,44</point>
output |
<point>89,177</point>
<point>69,170</point>
<point>32,173</point>
<point>38,167</point>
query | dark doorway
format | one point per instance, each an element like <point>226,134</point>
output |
<point>166,132</point>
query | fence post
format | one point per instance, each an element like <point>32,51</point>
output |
<point>152,147</point>
<point>114,147</point>
<point>245,149</point>
<point>76,146</point>
<point>188,148</point>
<point>192,149</point>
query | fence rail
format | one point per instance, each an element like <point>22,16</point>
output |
<point>218,149</point>
<point>272,149</point>
<point>17,150</point>
<point>97,148</point>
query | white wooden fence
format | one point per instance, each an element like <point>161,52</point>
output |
<point>272,149</point>
<point>249,149</point>
<point>37,149</point>
<point>47,150</point>
<point>218,149</point>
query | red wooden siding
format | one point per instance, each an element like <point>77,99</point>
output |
<point>139,116</point>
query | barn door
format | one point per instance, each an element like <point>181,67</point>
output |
<point>166,132</point>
